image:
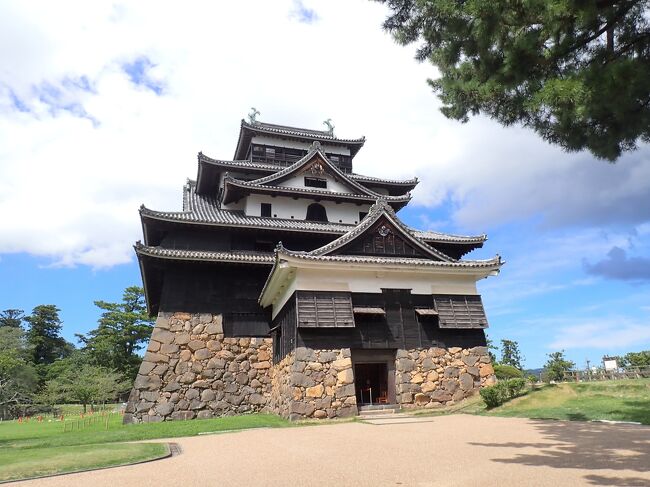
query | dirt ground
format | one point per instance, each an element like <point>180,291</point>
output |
<point>453,450</point>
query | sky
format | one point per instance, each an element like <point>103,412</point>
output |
<point>104,106</point>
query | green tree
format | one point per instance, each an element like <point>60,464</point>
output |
<point>491,349</point>
<point>44,335</point>
<point>12,318</point>
<point>122,330</point>
<point>18,377</point>
<point>636,359</point>
<point>510,354</point>
<point>557,365</point>
<point>87,385</point>
<point>576,72</point>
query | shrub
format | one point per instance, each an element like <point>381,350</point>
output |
<point>504,372</point>
<point>503,391</point>
<point>515,387</point>
<point>492,396</point>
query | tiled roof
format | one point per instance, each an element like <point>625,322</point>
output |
<point>298,132</point>
<point>370,259</point>
<point>368,196</point>
<point>204,255</point>
<point>201,209</point>
<point>379,209</point>
<point>262,166</point>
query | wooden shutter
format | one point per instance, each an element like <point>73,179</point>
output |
<point>460,311</point>
<point>320,309</point>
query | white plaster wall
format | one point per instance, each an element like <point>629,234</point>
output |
<point>332,184</point>
<point>296,144</point>
<point>365,281</point>
<point>287,207</point>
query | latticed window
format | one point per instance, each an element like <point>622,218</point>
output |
<point>320,309</point>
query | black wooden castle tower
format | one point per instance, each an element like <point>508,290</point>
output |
<point>287,283</point>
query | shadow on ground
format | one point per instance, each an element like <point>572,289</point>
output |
<point>590,446</point>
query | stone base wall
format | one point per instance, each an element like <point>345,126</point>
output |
<point>437,376</point>
<point>190,370</point>
<point>314,384</point>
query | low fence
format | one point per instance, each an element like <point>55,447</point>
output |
<point>601,374</point>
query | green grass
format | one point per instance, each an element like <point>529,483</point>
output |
<point>24,446</point>
<point>20,463</point>
<point>619,400</point>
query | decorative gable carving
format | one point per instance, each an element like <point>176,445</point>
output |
<point>382,238</point>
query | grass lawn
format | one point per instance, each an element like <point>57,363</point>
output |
<point>20,463</point>
<point>620,400</point>
<point>28,446</point>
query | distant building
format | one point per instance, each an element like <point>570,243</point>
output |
<point>289,284</point>
<point>610,364</point>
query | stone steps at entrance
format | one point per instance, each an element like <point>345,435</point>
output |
<point>379,409</point>
<point>384,414</point>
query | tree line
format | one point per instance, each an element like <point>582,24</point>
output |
<point>510,364</point>
<point>39,368</point>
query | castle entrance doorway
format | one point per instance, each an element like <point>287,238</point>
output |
<point>374,376</point>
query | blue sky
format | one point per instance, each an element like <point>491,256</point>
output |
<point>105,109</point>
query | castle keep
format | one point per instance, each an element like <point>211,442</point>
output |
<point>288,284</point>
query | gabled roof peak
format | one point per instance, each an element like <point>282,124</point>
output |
<point>323,165</point>
<point>380,209</point>
<point>248,130</point>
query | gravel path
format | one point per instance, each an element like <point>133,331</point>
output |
<point>445,451</point>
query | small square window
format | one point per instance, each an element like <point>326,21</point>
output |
<point>265,209</point>
<point>316,182</point>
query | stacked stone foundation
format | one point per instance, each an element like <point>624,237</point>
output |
<point>436,377</point>
<point>191,370</point>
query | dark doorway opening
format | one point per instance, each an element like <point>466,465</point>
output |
<point>371,383</point>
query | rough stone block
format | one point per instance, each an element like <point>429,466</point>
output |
<point>345,377</point>
<point>182,415</point>
<point>470,360</point>
<point>214,328</point>
<point>486,370</point>
<point>466,381</point>
<point>202,354</point>
<point>205,414</point>
<point>405,364</point>
<point>146,367</point>
<point>257,399</point>
<point>182,338</point>
<point>451,372</point>
<point>345,391</point>
<point>162,336</point>
<point>427,387</point>
<point>299,379</point>
<point>421,399</point>
<point>472,371</point>
<point>195,345</point>
<point>316,391</point>
<point>155,357</point>
<point>440,396</point>
<point>165,409</point>
<point>325,357</point>
<point>304,354</point>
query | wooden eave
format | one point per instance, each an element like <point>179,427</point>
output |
<point>248,131</point>
<point>235,189</point>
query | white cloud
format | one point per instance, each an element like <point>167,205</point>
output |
<point>608,332</point>
<point>94,145</point>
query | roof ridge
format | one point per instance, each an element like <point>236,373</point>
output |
<point>253,184</point>
<point>315,149</point>
<point>376,211</point>
<point>297,131</point>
